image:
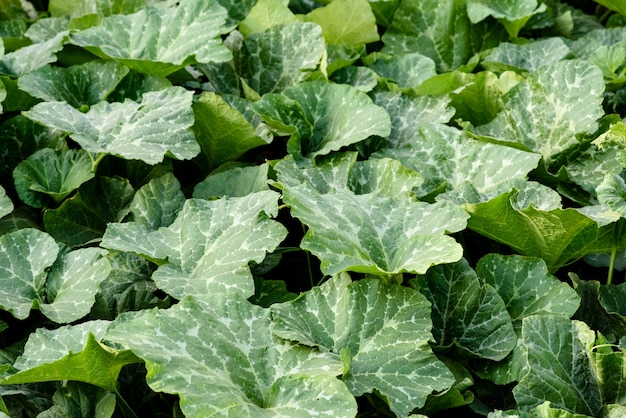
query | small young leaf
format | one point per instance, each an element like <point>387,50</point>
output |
<point>265,14</point>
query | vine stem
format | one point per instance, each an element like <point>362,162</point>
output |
<point>617,232</point>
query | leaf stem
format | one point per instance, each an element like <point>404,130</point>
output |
<point>95,163</point>
<point>617,232</point>
<point>126,409</point>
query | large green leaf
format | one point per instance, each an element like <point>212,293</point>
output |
<point>31,57</point>
<point>513,14</point>
<point>545,113</point>
<point>159,41</point>
<point>440,30</point>
<point>560,364</point>
<point>222,131</point>
<point>208,246</point>
<point>346,22</point>
<point>467,314</point>
<point>149,130</point>
<point>558,235</point>
<point>446,157</point>
<point>526,57</point>
<point>380,331</point>
<point>406,70</point>
<point>157,203</point>
<point>374,234</point>
<point>63,286</point>
<point>83,218</point>
<point>71,353</point>
<point>6,204</point>
<point>322,117</point>
<point>51,174</point>
<point>78,85</point>
<point>234,182</point>
<point>612,192</point>
<point>265,14</point>
<point>281,56</point>
<point>220,357</point>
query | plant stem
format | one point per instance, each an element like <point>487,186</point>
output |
<point>617,232</point>
<point>126,409</point>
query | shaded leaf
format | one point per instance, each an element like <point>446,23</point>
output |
<point>6,204</point>
<point>233,182</point>
<point>383,329</point>
<point>513,14</point>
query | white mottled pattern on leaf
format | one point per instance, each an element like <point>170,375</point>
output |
<point>384,329</point>
<point>208,246</point>
<point>527,57</point>
<point>6,205</point>
<point>373,234</point>
<point>161,40</point>
<point>219,355</point>
<point>157,203</point>
<point>545,112</point>
<point>147,131</point>
<point>29,58</point>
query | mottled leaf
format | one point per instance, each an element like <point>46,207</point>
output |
<point>526,57</point>
<point>6,204</point>
<point>31,57</point>
<point>233,182</point>
<point>513,14</point>
<point>220,357</point>
<point>380,331</point>
<point>346,22</point>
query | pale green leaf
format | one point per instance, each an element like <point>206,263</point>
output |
<point>222,131</point>
<point>159,41</point>
<point>78,8</point>
<point>466,313</point>
<point>149,130</point>
<point>265,14</point>
<point>560,368</point>
<point>71,353</point>
<point>78,85</point>
<point>564,99</point>
<point>157,203</point>
<point>590,167</point>
<point>6,204</point>
<point>322,117</point>
<point>31,57</point>
<point>208,246</point>
<point>51,174</point>
<point>281,56</point>
<point>406,70</point>
<point>612,192</point>
<point>373,234</point>
<point>361,78</point>
<point>220,357</point>
<point>234,182</point>
<point>447,158</point>
<point>513,14</point>
<point>587,46</point>
<point>346,22</point>
<point>384,329</point>
<point>557,235</point>
<point>84,218</point>
<point>440,30</point>
<point>526,57</point>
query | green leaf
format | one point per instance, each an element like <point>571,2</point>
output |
<point>62,286</point>
<point>407,70</point>
<point>208,246</point>
<point>71,353</point>
<point>157,203</point>
<point>560,367</point>
<point>265,14</point>
<point>322,117</point>
<point>29,58</point>
<point>237,10</point>
<point>513,14</point>
<point>467,314</point>
<point>222,131</point>
<point>373,234</point>
<point>281,56</point>
<point>51,174</point>
<point>565,100</point>
<point>129,130</point>
<point>614,5</point>
<point>446,157</point>
<point>160,41</point>
<point>78,8</point>
<point>558,235</point>
<point>440,30</point>
<point>78,85</point>
<point>233,182</point>
<point>385,329</point>
<point>6,204</point>
<point>612,192</point>
<point>219,355</point>
<point>79,399</point>
<point>526,57</point>
<point>346,22</point>
<point>84,217</point>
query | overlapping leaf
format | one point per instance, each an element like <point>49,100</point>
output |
<point>220,357</point>
<point>513,14</point>
<point>234,182</point>
<point>545,113</point>
<point>6,205</point>
<point>381,333</point>
<point>374,234</point>
<point>322,117</point>
<point>265,14</point>
<point>71,353</point>
<point>467,314</point>
<point>149,130</point>
<point>36,274</point>
<point>527,57</point>
<point>159,41</point>
<point>31,57</point>
<point>51,174</point>
<point>78,85</point>
<point>208,246</point>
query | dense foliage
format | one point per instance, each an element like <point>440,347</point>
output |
<point>312,208</point>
